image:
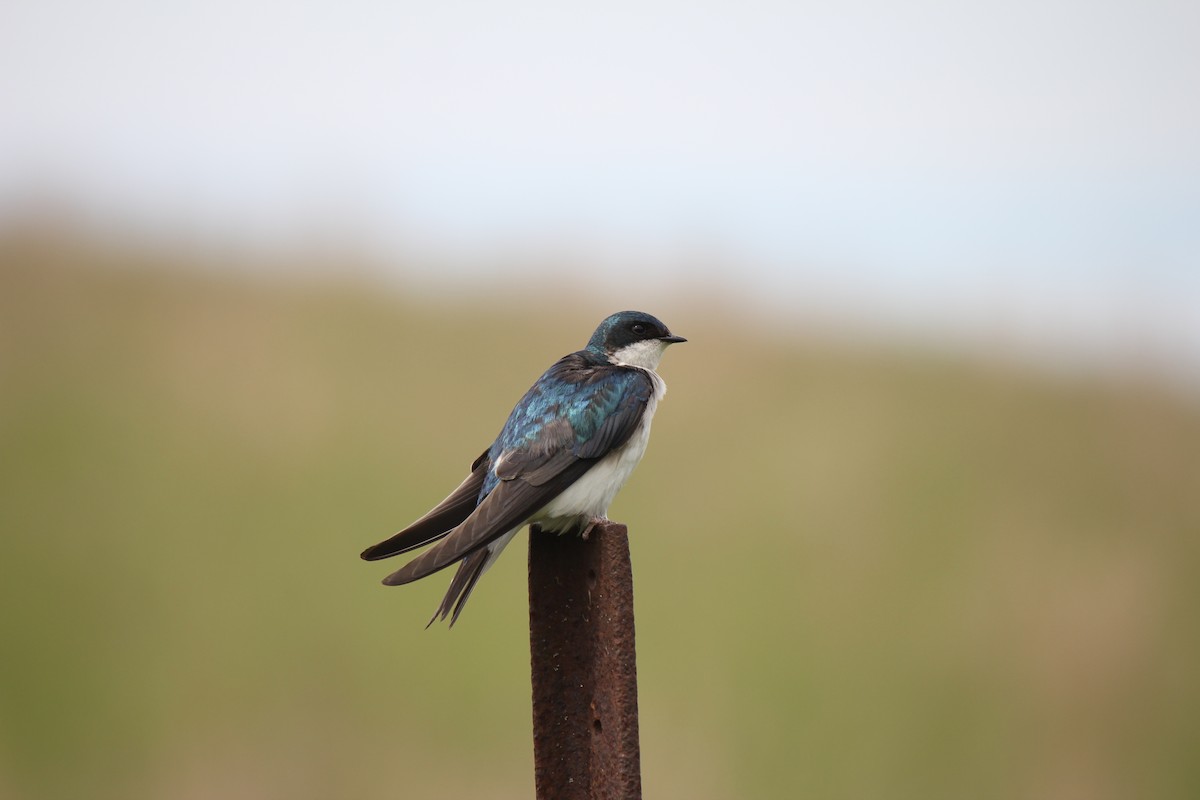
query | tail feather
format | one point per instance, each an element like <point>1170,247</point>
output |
<point>470,569</point>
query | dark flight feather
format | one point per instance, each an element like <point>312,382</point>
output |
<point>508,506</point>
<point>443,518</point>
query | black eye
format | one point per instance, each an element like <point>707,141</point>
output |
<point>638,328</point>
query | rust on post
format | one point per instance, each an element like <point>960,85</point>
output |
<point>585,719</point>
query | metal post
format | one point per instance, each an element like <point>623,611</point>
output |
<point>585,719</point>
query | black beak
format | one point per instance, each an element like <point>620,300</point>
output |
<point>672,339</point>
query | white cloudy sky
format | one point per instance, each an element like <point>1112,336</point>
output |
<point>919,160</point>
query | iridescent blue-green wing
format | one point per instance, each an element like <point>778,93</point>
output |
<point>627,394</point>
<point>590,410</point>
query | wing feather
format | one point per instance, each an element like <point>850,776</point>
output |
<point>508,506</point>
<point>441,519</point>
<point>620,423</point>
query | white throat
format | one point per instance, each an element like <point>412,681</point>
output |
<point>645,354</point>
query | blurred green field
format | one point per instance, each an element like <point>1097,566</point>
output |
<point>861,571</point>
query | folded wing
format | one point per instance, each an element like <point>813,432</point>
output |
<point>443,518</point>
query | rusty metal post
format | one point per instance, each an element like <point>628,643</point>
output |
<point>585,719</point>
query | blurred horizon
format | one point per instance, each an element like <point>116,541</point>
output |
<point>1099,333</point>
<point>1025,174</point>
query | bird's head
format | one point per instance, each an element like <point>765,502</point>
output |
<point>633,338</point>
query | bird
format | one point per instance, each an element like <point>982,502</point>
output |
<point>565,451</point>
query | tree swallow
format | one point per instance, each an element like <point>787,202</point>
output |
<point>565,451</point>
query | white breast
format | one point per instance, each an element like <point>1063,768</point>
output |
<point>590,496</point>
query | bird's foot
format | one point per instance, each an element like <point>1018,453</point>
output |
<point>592,523</point>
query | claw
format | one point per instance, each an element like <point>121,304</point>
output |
<point>587,529</point>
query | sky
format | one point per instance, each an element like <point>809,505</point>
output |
<point>1033,165</point>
